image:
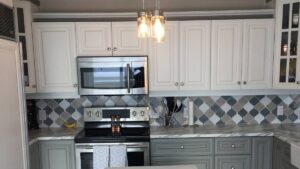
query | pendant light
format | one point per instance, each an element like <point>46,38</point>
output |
<point>144,23</point>
<point>158,26</point>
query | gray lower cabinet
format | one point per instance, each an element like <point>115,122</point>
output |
<point>202,162</point>
<point>282,155</point>
<point>262,152</point>
<point>232,162</point>
<point>34,157</point>
<point>57,154</point>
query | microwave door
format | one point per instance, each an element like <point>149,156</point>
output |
<point>139,76</point>
<point>105,78</point>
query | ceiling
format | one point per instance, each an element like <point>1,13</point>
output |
<point>134,5</point>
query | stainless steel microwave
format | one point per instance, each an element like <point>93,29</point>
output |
<point>112,75</point>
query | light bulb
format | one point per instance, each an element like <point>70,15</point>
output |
<point>158,26</point>
<point>143,25</point>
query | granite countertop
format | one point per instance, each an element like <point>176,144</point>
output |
<point>52,134</point>
<point>289,133</point>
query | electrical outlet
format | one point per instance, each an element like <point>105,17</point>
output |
<point>279,110</point>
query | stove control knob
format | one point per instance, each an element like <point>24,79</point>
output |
<point>89,113</point>
<point>142,113</point>
<point>98,114</point>
<point>134,113</point>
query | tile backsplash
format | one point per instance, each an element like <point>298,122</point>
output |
<point>210,110</point>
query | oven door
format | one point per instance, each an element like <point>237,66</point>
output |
<point>137,154</point>
<point>106,78</point>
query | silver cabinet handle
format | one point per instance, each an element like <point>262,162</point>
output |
<point>232,145</point>
<point>239,83</point>
<point>108,49</point>
<point>181,147</point>
<point>176,84</point>
<point>34,86</point>
<point>115,49</point>
<point>245,82</point>
<point>75,85</point>
<point>128,78</point>
<point>182,84</point>
<point>232,167</point>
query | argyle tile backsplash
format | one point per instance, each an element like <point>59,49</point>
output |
<point>210,110</point>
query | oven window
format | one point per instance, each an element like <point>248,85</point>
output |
<point>135,158</point>
<point>104,78</point>
<point>137,77</point>
<point>86,160</point>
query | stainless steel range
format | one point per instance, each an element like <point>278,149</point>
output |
<point>113,126</point>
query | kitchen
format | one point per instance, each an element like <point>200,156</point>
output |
<point>221,91</point>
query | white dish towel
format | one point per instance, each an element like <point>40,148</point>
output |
<point>118,156</point>
<point>101,157</point>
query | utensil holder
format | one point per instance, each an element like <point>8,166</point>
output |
<point>168,120</point>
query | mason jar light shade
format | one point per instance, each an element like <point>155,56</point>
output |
<point>158,26</point>
<point>144,28</point>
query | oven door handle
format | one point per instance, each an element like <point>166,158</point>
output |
<point>128,77</point>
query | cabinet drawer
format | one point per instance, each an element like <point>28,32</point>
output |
<point>232,162</point>
<point>233,146</point>
<point>181,147</point>
<point>202,162</point>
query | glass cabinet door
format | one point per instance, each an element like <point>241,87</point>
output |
<point>288,54</point>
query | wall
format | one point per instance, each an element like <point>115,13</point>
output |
<point>221,110</point>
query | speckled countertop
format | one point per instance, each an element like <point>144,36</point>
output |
<point>52,134</point>
<point>286,132</point>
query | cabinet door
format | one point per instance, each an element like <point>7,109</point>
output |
<point>34,156</point>
<point>226,54</point>
<point>55,57</point>
<point>287,72</point>
<point>262,153</point>
<point>195,55</point>
<point>164,61</point>
<point>126,41</point>
<point>57,154</point>
<point>258,54</point>
<point>93,38</point>
<point>202,162</point>
<point>232,162</point>
<point>23,19</point>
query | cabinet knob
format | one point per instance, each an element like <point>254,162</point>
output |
<point>34,86</point>
<point>108,49</point>
<point>182,84</point>
<point>115,49</point>
<point>232,167</point>
<point>181,147</point>
<point>232,145</point>
<point>244,82</point>
<point>75,85</point>
<point>176,84</point>
<point>239,83</point>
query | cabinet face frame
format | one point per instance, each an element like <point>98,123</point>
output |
<point>277,57</point>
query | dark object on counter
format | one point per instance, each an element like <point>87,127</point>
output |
<point>173,106</point>
<point>32,115</point>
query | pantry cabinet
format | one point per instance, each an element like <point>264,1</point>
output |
<point>242,54</point>
<point>287,71</point>
<point>55,57</point>
<point>182,61</point>
<point>109,39</point>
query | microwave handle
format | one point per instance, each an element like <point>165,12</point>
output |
<point>128,78</point>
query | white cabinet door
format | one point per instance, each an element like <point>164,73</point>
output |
<point>93,38</point>
<point>258,54</point>
<point>226,54</point>
<point>126,41</point>
<point>164,61</point>
<point>195,55</point>
<point>55,57</point>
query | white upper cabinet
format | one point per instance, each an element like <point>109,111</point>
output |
<point>55,53</point>
<point>126,41</point>
<point>258,54</point>
<point>109,38</point>
<point>287,61</point>
<point>163,60</point>
<point>226,54</point>
<point>93,38</point>
<point>242,54</point>
<point>195,55</point>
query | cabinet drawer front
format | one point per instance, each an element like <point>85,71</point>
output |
<point>232,162</point>
<point>181,147</point>
<point>233,146</point>
<point>202,162</point>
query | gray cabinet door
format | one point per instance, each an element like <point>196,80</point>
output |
<point>202,162</point>
<point>262,153</point>
<point>232,162</point>
<point>182,147</point>
<point>58,154</point>
<point>34,157</point>
<point>237,145</point>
